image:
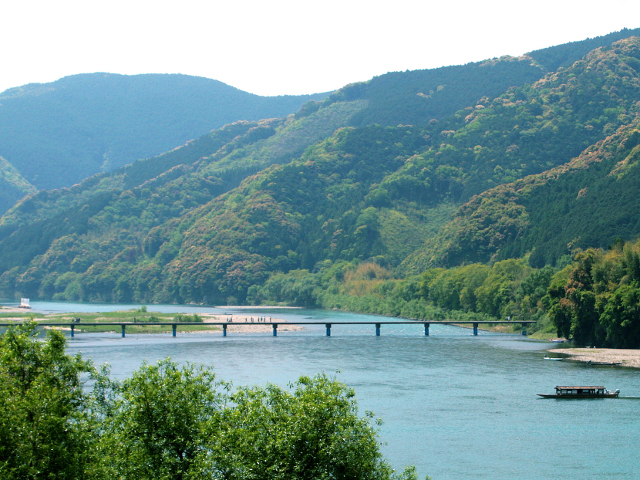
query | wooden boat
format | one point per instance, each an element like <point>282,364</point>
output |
<point>581,392</point>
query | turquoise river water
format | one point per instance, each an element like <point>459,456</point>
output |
<point>454,405</point>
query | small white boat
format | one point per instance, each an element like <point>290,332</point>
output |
<point>557,359</point>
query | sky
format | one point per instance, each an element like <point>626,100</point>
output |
<point>279,47</point>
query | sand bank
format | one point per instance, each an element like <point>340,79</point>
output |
<point>250,323</point>
<point>247,323</point>
<point>626,358</point>
<point>4,309</point>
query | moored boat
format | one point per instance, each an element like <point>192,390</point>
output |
<point>567,392</point>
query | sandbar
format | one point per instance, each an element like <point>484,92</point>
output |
<point>624,357</point>
<point>249,323</point>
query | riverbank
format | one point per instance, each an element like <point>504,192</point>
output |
<point>144,321</point>
<point>625,358</point>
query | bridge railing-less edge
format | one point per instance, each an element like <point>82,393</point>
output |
<point>274,325</point>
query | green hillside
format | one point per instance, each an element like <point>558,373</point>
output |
<point>553,58</point>
<point>213,220</point>
<point>597,93</point>
<point>110,212</point>
<point>57,134</point>
<point>590,202</point>
<point>416,97</point>
<point>12,185</point>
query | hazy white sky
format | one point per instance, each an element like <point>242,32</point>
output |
<point>276,47</point>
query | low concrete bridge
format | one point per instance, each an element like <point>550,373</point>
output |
<point>274,325</point>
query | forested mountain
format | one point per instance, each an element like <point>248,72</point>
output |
<point>57,134</point>
<point>589,202</point>
<point>568,207</point>
<point>12,185</point>
<point>416,97</point>
<point>560,56</point>
<point>214,219</point>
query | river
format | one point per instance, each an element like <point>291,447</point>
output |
<point>456,406</point>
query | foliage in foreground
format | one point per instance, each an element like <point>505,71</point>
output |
<point>172,422</point>
<point>45,426</point>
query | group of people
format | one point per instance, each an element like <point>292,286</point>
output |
<point>258,319</point>
<point>246,320</point>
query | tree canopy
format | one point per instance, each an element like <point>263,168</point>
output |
<point>173,422</point>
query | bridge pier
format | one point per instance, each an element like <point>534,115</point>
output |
<point>123,327</point>
<point>72,332</point>
<point>377,329</point>
<point>475,328</point>
<point>426,329</point>
<point>275,329</point>
<point>224,330</point>
<point>524,330</point>
<point>328,325</point>
<point>174,327</point>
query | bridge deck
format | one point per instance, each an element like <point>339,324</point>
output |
<point>274,325</point>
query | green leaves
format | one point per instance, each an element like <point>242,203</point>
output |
<point>310,431</point>
<point>599,302</point>
<point>45,429</point>
<point>173,422</point>
<point>156,426</point>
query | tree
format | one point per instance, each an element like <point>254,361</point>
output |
<point>156,426</point>
<point>620,317</point>
<point>312,431</point>
<point>173,423</point>
<point>45,427</point>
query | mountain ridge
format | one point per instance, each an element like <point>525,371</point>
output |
<point>210,227</point>
<point>89,123</point>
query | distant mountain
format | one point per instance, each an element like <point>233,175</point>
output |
<point>212,220</point>
<point>57,134</point>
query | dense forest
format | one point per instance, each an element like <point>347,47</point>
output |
<point>428,211</point>
<point>589,202</point>
<point>592,299</point>
<point>13,186</point>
